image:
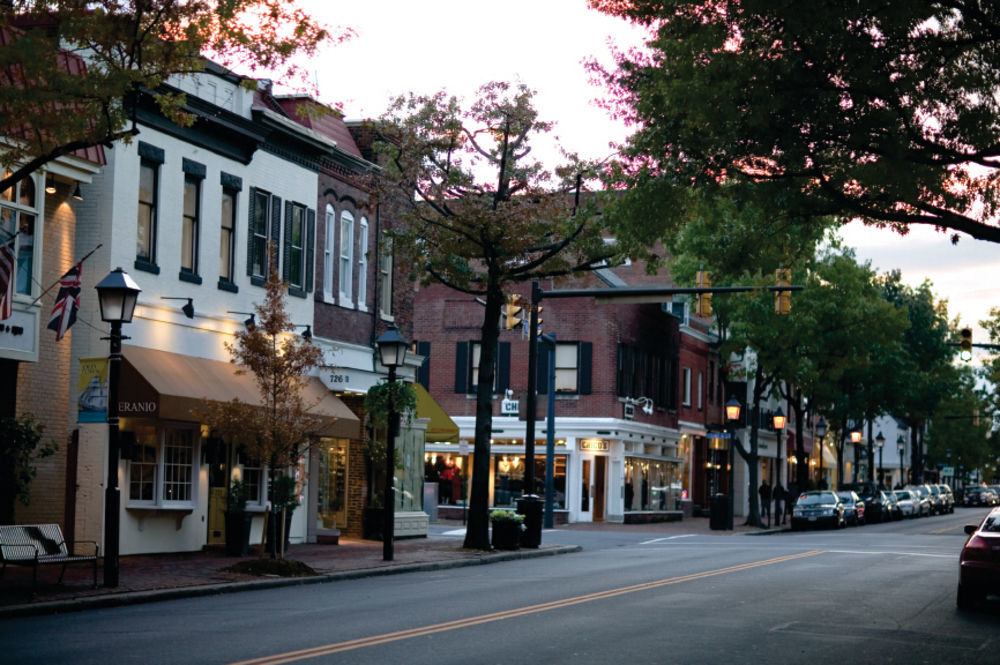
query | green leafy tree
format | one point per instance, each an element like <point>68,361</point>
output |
<point>20,445</point>
<point>475,212</point>
<point>280,428</point>
<point>885,112</point>
<point>959,432</point>
<point>48,110</point>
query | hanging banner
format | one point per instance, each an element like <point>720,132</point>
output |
<point>92,390</point>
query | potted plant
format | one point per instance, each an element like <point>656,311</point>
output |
<point>507,527</point>
<point>238,520</point>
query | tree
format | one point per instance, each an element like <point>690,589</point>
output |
<point>884,112</point>
<point>476,213</point>
<point>20,445</point>
<point>960,427</point>
<point>49,108</point>
<point>279,429</point>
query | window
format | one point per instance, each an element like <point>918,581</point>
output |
<point>648,373</point>
<point>189,225</point>
<point>162,471</point>
<point>711,381</point>
<point>260,233</point>
<point>385,282</point>
<point>19,208</point>
<point>145,239</point>
<point>467,367</point>
<point>701,388</point>
<point>295,237</point>
<point>346,258</point>
<point>566,368</point>
<point>330,237</point>
<point>227,235</point>
<point>363,266</point>
<point>687,386</point>
<point>474,366</point>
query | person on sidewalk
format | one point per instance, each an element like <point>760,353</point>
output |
<point>779,496</point>
<point>765,502</point>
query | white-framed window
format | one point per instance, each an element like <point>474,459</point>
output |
<point>190,221</point>
<point>20,209</point>
<point>474,367</point>
<point>145,239</point>
<point>227,235</point>
<point>260,233</point>
<point>363,265</point>
<point>687,386</point>
<point>701,379</point>
<point>346,259</point>
<point>567,367</point>
<point>295,236</point>
<point>330,239</point>
<point>162,471</point>
<point>385,282</point>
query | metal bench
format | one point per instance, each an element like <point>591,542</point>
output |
<point>38,544</point>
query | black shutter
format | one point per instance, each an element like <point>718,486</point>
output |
<point>424,371</point>
<point>503,367</point>
<point>542,369</point>
<point>585,360</point>
<point>250,229</point>
<point>310,259</point>
<point>275,233</point>
<point>462,367</point>
<point>286,250</point>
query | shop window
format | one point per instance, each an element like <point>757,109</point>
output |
<point>651,485</point>
<point>331,506</point>
<point>508,480</point>
<point>162,472</point>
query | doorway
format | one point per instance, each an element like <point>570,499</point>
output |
<point>593,484</point>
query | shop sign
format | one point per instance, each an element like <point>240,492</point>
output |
<point>509,407</point>
<point>92,391</point>
<point>595,445</point>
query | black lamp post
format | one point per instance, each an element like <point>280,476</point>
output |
<point>392,352</point>
<point>901,444</point>
<point>879,443</point>
<point>778,420</point>
<point>821,430</point>
<point>733,407</point>
<point>117,294</point>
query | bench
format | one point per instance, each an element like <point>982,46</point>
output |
<point>38,544</point>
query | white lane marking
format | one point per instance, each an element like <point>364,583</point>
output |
<point>659,540</point>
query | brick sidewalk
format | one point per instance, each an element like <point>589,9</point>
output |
<point>149,577</point>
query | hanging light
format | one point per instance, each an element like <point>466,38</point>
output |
<point>50,185</point>
<point>733,407</point>
<point>392,347</point>
<point>77,194</point>
<point>855,436</point>
<point>779,419</point>
<point>117,294</point>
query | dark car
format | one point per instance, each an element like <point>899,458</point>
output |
<point>854,507</point>
<point>979,563</point>
<point>977,496</point>
<point>818,508</point>
<point>878,506</point>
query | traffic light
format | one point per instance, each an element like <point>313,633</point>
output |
<point>703,301</point>
<point>539,310</point>
<point>513,309</point>
<point>965,346</point>
<point>783,299</point>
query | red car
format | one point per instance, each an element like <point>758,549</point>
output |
<point>979,564</point>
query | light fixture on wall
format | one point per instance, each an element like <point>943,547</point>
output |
<point>307,333</point>
<point>50,185</point>
<point>250,323</point>
<point>632,402</point>
<point>188,308</point>
<point>77,194</point>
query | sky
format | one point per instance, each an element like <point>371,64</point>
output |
<point>457,45</point>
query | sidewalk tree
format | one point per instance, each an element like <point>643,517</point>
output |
<point>473,210</point>
<point>884,112</point>
<point>49,109</point>
<point>279,429</point>
<point>959,432</point>
<point>20,445</point>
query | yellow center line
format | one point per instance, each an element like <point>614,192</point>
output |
<point>313,652</point>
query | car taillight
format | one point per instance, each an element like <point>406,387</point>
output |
<point>977,549</point>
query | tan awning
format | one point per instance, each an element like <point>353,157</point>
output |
<point>441,428</point>
<point>172,386</point>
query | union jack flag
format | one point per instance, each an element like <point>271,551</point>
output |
<point>67,302</point>
<point>8,269</point>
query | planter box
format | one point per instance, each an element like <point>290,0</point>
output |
<point>238,533</point>
<point>506,536</point>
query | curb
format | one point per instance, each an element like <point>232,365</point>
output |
<point>156,595</point>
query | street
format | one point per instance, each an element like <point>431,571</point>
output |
<point>882,593</point>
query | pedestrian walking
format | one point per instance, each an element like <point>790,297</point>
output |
<point>778,493</point>
<point>765,501</point>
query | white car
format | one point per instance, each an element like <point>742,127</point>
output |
<point>908,504</point>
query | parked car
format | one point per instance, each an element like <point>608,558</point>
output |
<point>947,497</point>
<point>978,495</point>
<point>892,505</point>
<point>909,504</point>
<point>924,496</point>
<point>854,507</point>
<point>878,507</point>
<point>979,563</point>
<point>818,508</point>
<point>996,493</point>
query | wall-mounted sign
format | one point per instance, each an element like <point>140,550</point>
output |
<point>595,445</point>
<point>92,391</point>
<point>509,407</point>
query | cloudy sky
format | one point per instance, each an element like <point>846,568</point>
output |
<point>457,45</point>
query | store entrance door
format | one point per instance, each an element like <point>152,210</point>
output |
<point>593,475</point>
<point>600,472</point>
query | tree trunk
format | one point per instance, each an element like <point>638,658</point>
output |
<point>477,535</point>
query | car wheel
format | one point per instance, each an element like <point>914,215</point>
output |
<point>967,598</point>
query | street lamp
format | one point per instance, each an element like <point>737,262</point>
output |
<point>820,430</point>
<point>879,442</point>
<point>733,407</point>
<point>901,444</point>
<point>392,352</point>
<point>778,420</point>
<point>116,294</point>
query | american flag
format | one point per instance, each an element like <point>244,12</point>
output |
<point>8,268</point>
<point>67,302</point>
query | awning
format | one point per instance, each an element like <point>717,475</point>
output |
<point>807,444</point>
<point>441,429</point>
<point>172,386</point>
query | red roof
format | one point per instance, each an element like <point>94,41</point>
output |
<point>330,125</point>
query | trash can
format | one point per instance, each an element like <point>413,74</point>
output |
<point>719,516</point>
<point>531,505</point>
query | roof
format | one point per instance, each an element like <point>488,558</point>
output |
<point>329,124</point>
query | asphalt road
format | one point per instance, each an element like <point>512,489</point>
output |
<point>876,594</point>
